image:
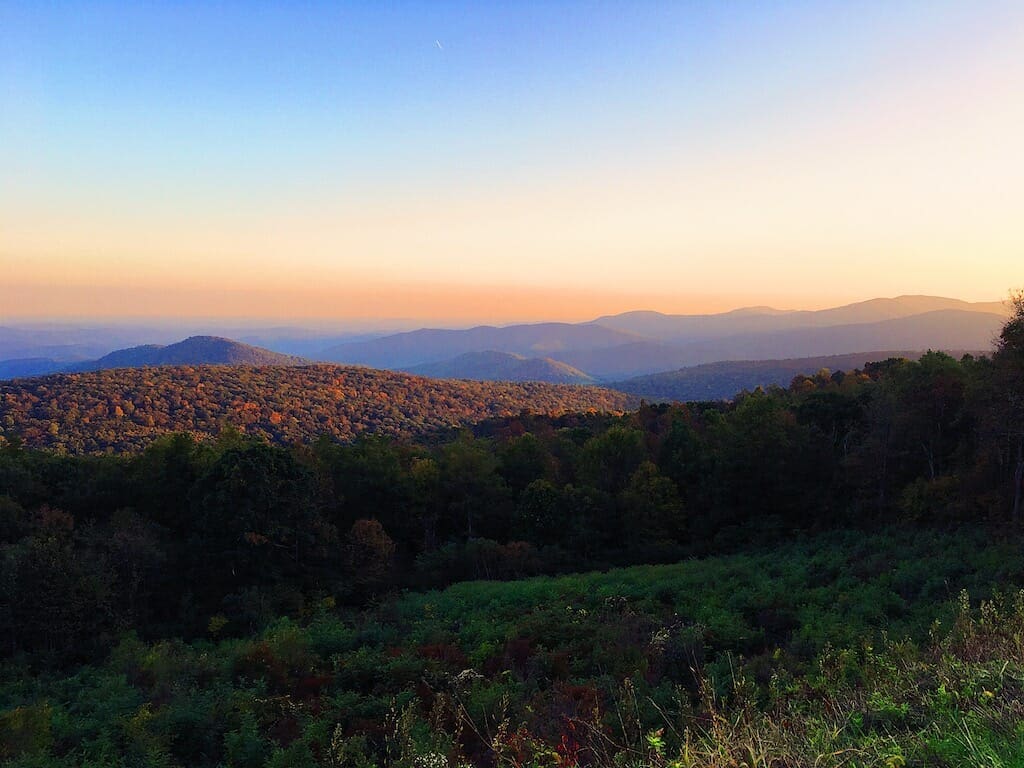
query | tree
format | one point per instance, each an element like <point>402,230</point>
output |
<point>370,552</point>
<point>255,519</point>
<point>1009,372</point>
<point>652,506</point>
<point>610,459</point>
<point>473,490</point>
<point>523,460</point>
<point>540,514</point>
<point>929,420</point>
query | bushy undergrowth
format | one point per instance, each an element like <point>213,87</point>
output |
<point>819,653</point>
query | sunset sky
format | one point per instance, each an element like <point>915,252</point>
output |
<point>505,161</point>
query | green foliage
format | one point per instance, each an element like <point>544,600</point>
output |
<point>664,665</point>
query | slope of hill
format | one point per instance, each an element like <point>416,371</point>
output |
<point>429,345</point>
<point>195,350</point>
<point>503,366</point>
<point>723,380</point>
<point>100,411</point>
<point>28,366</point>
<point>64,343</point>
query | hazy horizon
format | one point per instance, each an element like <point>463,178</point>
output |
<point>461,163</point>
<point>361,324</point>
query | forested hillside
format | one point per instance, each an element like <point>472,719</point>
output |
<point>723,380</point>
<point>125,409</point>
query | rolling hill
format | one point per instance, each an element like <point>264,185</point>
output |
<point>503,366</point>
<point>723,380</point>
<point>195,350</point>
<point>126,409</point>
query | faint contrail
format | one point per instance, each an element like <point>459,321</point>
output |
<point>438,44</point>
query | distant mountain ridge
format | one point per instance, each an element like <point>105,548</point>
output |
<point>433,345</point>
<point>657,325</point>
<point>195,350</point>
<point>612,348</point>
<point>492,365</point>
<point>617,347</point>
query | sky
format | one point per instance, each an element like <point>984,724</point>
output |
<point>506,161</point>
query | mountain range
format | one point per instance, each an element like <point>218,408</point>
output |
<point>612,348</point>
<point>632,344</point>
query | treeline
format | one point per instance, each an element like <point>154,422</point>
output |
<point>126,409</point>
<point>189,535</point>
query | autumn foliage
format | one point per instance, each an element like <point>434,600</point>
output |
<point>125,409</point>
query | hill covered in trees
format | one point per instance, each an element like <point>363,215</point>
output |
<point>125,409</point>
<point>195,350</point>
<point>726,379</point>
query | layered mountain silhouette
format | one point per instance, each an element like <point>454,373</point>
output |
<point>617,347</point>
<point>611,348</point>
<point>432,345</point>
<point>681,328</point>
<point>503,366</point>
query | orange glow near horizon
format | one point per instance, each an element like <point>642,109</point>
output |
<point>426,304</point>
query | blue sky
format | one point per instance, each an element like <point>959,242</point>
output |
<point>219,116</point>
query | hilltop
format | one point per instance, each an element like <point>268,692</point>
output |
<point>195,350</point>
<point>124,410</point>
